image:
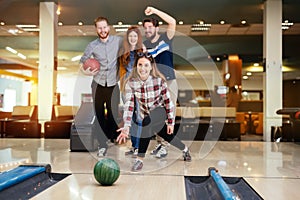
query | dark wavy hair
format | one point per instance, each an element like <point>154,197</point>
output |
<point>151,20</point>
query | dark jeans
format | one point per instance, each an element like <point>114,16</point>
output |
<point>135,131</point>
<point>155,123</point>
<point>105,124</point>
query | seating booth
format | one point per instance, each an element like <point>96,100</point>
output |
<point>207,123</point>
<point>23,123</point>
<point>60,124</point>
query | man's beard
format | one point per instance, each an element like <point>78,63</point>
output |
<point>103,37</point>
<point>151,37</point>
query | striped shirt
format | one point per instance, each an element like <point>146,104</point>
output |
<point>162,52</point>
<point>150,94</point>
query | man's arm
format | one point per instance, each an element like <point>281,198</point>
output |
<point>164,16</point>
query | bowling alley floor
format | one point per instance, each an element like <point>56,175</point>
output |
<point>271,169</point>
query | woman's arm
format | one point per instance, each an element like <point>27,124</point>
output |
<point>169,106</point>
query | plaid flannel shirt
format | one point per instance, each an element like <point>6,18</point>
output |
<point>150,94</point>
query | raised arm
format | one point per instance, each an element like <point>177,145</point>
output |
<point>164,16</point>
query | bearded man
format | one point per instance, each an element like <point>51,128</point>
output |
<point>159,45</point>
<point>105,89</point>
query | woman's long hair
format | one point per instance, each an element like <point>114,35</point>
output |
<point>126,48</point>
<point>154,72</point>
<point>124,53</point>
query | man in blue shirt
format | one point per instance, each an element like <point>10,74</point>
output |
<point>105,89</point>
<point>160,47</point>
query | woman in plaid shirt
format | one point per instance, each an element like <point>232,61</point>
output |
<point>148,86</point>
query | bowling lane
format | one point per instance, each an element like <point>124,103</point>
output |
<point>271,168</point>
<point>276,188</point>
<point>127,187</point>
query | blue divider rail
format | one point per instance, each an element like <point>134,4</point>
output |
<point>222,186</point>
<point>20,174</point>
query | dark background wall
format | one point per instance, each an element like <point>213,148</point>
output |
<point>291,93</point>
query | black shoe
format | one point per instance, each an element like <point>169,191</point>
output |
<point>130,152</point>
<point>133,151</point>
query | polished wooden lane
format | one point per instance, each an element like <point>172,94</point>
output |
<point>272,169</point>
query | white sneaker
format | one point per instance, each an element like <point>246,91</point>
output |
<point>137,166</point>
<point>156,149</point>
<point>162,152</point>
<point>101,152</point>
<point>135,153</point>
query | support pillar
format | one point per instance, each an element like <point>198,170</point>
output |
<point>47,71</point>
<point>272,44</point>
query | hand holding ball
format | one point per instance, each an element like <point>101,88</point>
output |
<point>91,66</point>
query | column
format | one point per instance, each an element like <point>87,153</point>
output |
<point>232,71</point>
<point>272,50</point>
<point>47,70</point>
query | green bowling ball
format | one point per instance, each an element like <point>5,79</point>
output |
<point>106,171</point>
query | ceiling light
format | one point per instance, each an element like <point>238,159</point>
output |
<point>200,21</point>
<point>31,29</point>
<point>76,58</point>
<point>160,23</point>
<point>243,22</point>
<point>13,31</point>
<point>249,73</point>
<point>201,26</point>
<point>11,50</point>
<point>245,77</point>
<point>121,27</point>
<point>256,64</point>
<point>286,25</point>
<point>140,23</point>
<point>21,56</point>
<point>80,23</point>
<point>58,11</point>
<point>180,22</point>
<point>222,22</point>
<point>2,23</point>
<point>227,76</point>
<point>60,24</point>
<point>26,26</point>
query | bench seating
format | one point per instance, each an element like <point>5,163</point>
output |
<point>60,124</point>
